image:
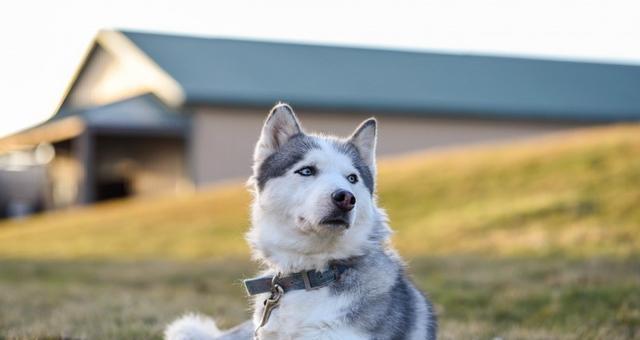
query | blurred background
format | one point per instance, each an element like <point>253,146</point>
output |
<point>509,155</point>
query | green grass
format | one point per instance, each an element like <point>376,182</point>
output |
<point>538,240</point>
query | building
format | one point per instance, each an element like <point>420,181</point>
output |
<point>149,113</point>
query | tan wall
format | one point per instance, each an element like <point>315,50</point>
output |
<point>223,138</point>
<point>65,175</point>
<point>152,165</point>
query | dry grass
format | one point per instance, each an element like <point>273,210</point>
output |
<point>538,240</point>
<point>574,194</point>
<point>512,298</point>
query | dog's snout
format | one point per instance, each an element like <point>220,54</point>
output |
<point>343,199</point>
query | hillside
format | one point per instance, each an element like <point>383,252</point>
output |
<point>536,240</point>
<point>575,194</point>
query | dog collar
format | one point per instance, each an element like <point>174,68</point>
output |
<point>307,280</point>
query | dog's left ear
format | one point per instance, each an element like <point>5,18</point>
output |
<point>364,138</point>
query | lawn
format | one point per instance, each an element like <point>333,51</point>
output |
<point>535,240</point>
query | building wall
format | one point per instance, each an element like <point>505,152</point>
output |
<point>65,176</point>
<point>223,138</point>
<point>149,165</point>
<point>120,165</point>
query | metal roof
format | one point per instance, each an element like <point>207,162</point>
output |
<point>237,72</point>
<point>143,112</point>
<point>140,115</point>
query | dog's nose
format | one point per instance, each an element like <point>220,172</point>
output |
<point>343,199</point>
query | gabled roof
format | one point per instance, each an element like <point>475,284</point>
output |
<point>238,72</point>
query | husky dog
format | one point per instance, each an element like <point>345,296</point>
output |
<point>330,273</point>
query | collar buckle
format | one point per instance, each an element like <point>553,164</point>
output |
<point>306,280</point>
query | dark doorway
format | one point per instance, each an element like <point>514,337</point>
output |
<point>114,188</point>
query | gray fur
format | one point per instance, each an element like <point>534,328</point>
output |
<point>432,319</point>
<point>386,309</point>
<point>294,150</point>
<point>364,172</point>
<point>281,161</point>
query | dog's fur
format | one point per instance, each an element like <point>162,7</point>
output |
<point>293,229</point>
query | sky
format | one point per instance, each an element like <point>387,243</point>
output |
<point>44,41</point>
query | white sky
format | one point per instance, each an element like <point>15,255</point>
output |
<point>44,41</point>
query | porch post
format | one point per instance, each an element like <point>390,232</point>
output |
<point>84,148</point>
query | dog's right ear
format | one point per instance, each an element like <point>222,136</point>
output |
<point>281,124</point>
<point>364,139</point>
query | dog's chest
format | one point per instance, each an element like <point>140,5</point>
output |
<point>315,314</point>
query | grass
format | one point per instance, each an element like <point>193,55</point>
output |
<point>537,240</point>
<point>511,298</point>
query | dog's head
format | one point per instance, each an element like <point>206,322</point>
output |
<point>314,195</point>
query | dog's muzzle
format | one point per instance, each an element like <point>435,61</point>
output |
<point>343,203</point>
<point>337,218</point>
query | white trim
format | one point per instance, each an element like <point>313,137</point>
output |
<point>63,129</point>
<point>166,88</point>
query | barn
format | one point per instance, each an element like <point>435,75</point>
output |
<point>149,114</point>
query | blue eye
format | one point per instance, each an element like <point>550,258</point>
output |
<point>306,171</point>
<point>353,178</point>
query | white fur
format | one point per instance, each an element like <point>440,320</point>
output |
<point>307,315</point>
<point>285,231</point>
<point>192,327</point>
<point>286,235</point>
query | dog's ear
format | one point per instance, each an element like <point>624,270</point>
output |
<point>280,125</point>
<point>364,138</point>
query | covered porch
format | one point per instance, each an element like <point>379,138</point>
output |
<point>133,147</point>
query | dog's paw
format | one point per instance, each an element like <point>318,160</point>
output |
<point>192,327</point>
